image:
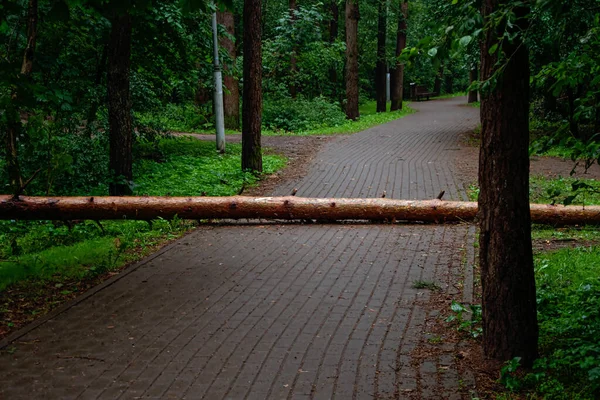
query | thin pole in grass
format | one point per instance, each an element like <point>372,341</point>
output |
<point>219,114</point>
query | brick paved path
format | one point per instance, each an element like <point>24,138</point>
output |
<point>276,311</point>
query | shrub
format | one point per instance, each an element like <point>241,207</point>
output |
<point>296,115</point>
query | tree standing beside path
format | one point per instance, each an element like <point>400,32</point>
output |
<point>381,65</point>
<point>508,285</point>
<point>252,94</point>
<point>13,117</point>
<point>397,73</point>
<point>119,104</point>
<point>352,16</point>
<point>231,97</point>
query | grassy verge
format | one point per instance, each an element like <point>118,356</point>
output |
<point>568,298</point>
<point>567,191</point>
<point>43,262</point>
<point>451,95</point>
<point>183,120</point>
<point>368,119</point>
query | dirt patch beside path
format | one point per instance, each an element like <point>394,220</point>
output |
<point>467,162</point>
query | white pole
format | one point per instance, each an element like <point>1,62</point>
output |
<point>219,114</point>
<point>387,86</point>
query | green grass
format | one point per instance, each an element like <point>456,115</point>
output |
<point>429,285</point>
<point>560,190</point>
<point>545,190</point>
<point>45,250</point>
<point>569,317</point>
<point>451,95</point>
<point>193,167</point>
<point>368,119</point>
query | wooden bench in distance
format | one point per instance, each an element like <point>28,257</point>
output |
<point>421,92</point>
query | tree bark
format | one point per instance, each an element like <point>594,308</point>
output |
<point>381,68</point>
<point>119,106</point>
<point>13,115</point>
<point>231,96</point>
<point>508,285</point>
<point>292,87</point>
<point>397,73</point>
<point>473,76</point>
<point>352,17</point>
<point>287,208</point>
<point>333,34</point>
<point>252,96</point>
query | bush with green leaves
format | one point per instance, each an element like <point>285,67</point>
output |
<point>301,114</point>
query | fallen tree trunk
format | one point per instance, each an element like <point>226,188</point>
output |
<point>285,208</point>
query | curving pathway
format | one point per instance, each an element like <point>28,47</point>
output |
<point>277,311</point>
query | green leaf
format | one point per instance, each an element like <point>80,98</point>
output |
<point>433,51</point>
<point>493,49</point>
<point>465,40</point>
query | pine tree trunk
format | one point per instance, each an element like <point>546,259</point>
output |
<point>397,74</point>
<point>381,68</point>
<point>473,76</point>
<point>352,17</point>
<point>231,96</point>
<point>293,89</point>
<point>280,208</point>
<point>119,106</point>
<point>13,115</point>
<point>333,34</point>
<point>508,284</point>
<point>252,95</point>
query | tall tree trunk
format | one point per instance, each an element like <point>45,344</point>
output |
<point>352,17</point>
<point>252,95</point>
<point>231,97</point>
<point>508,285</point>
<point>13,114</point>
<point>473,76</point>
<point>381,68</point>
<point>293,89</point>
<point>397,74</point>
<point>333,34</point>
<point>119,106</point>
<point>32,22</point>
